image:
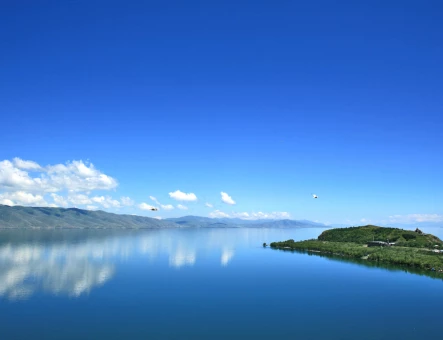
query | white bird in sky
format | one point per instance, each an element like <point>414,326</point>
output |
<point>314,196</point>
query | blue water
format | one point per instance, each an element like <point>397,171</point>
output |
<point>202,284</point>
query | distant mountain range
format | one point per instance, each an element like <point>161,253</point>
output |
<point>196,221</point>
<point>18,217</point>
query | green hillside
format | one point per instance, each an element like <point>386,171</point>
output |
<point>18,217</point>
<point>411,248</point>
<point>365,234</point>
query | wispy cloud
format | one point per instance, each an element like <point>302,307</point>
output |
<point>126,201</point>
<point>182,207</point>
<point>152,198</point>
<point>251,216</point>
<point>106,202</point>
<point>413,218</point>
<point>163,206</point>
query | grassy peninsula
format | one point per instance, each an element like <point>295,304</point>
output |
<point>376,244</point>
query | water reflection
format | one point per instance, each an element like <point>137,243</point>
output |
<point>74,262</point>
<point>182,257</point>
<point>227,255</point>
<point>57,269</point>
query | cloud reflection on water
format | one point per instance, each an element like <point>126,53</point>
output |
<point>74,268</point>
<point>72,263</point>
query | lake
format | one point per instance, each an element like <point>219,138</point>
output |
<point>203,284</point>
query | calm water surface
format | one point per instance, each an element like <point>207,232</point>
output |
<point>203,284</point>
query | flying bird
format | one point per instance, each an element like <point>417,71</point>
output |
<point>314,196</point>
<point>154,209</point>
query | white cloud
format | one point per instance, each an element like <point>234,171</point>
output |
<point>26,165</point>
<point>79,199</point>
<point>181,196</point>
<point>157,217</point>
<point>145,206</point>
<point>209,205</point>
<point>163,206</point>
<point>243,215</point>
<point>251,216</point>
<point>91,207</point>
<point>412,218</point>
<point>272,215</point>
<point>218,213</point>
<point>226,198</point>
<point>59,200</point>
<point>23,198</point>
<point>126,201</point>
<point>14,179</point>
<point>25,182</point>
<point>75,176</point>
<point>106,202</point>
<point>154,199</point>
<point>182,207</point>
<point>6,201</point>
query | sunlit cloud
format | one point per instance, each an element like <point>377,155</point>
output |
<point>226,198</point>
<point>27,183</point>
<point>209,205</point>
<point>23,198</point>
<point>181,196</point>
<point>182,207</point>
<point>26,165</point>
<point>72,176</point>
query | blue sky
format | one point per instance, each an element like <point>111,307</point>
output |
<point>268,102</point>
